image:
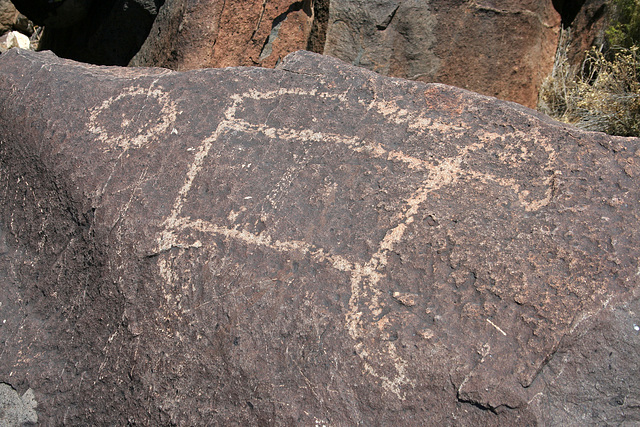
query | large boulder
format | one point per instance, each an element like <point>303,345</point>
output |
<point>503,49</point>
<point>315,244</point>
<point>587,29</point>
<point>11,19</point>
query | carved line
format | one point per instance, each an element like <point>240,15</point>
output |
<point>364,278</point>
<point>168,114</point>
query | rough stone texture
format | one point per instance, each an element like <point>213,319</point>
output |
<point>8,16</point>
<point>3,42</point>
<point>503,49</point>
<point>212,33</point>
<point>587,30</point>
<point>14,39</point>
<point>16,411</point>
<point>315,244</point>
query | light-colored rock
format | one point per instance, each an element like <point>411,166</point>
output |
<point>17,39</point>
<point>16,411</point>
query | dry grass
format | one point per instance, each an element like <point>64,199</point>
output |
<point>603,95</point>
<point>608,94</point>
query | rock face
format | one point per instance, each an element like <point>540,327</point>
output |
<point>14,39</point>
<point>211,33</point>
<point>587,28</point>
<point>504,51</point>
<point>314,244</point>
<point>8,16</point>
<point>16,411</point>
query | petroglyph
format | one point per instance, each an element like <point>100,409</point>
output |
<point>365,276</point>
<point>307,251</point>
<point>158,108</point>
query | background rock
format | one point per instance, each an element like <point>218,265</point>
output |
<point>587,30</point>
<point>11,19</point>
<point>314,244</point>
<point>16,411</point>
<point>503,49</point>
<point>210,33</point>
<point>14,39</point>
<point>8,16</point>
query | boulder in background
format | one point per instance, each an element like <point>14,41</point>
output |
<point>504,51</point>
<point>211,33</point>
<point>8,16</point>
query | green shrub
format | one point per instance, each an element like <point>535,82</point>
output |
<point>624,29</point>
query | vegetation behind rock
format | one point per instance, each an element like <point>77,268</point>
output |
<point>604,94</point>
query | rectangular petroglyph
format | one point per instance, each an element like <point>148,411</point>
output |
<point>364,276</point>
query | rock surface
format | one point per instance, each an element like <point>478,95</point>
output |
<point>14,39</point>
<point>314,244</point>
<point>504,50</point>
<point>211,33</point>
<point>8,16</point>
<point>587,29</point>
<point>16,411</point>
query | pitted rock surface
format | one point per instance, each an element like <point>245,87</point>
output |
<point>315,244</point>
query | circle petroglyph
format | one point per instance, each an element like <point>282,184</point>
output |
<point>116,123</point>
